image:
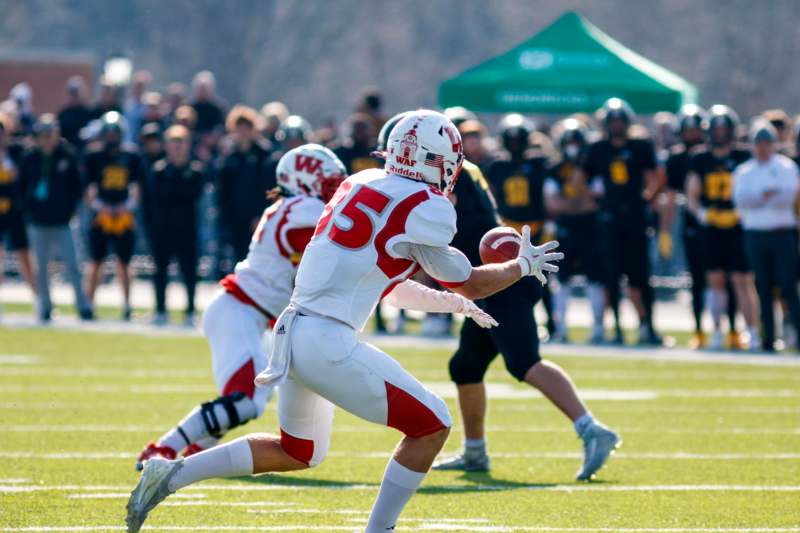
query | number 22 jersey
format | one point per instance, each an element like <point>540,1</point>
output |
<point>375,233</point>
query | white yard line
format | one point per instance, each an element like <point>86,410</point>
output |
<point>258,487</point>
<point>18,359</point>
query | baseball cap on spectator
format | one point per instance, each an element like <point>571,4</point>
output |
<point>763,131</point>
<point>151,130</point>
<point>779,119</point>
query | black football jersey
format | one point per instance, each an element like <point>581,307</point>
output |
<point>8,185</point>
<point>716,179</point>
<point>622,171</point>
<point>112,173</point>
<point>519,188</point>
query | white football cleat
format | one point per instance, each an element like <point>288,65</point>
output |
<point>152,489</point>
<point>599,443</point>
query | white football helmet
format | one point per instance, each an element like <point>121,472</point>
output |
<point>426,146</point>
<point>312,170</point>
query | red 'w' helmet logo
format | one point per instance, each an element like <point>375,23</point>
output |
<point>308,164</point>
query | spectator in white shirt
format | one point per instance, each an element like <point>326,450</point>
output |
<point>765,190</point>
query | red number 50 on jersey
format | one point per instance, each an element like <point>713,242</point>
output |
<point>362,228</point>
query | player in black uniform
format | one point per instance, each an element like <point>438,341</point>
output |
<point>516,338</point>
<point>709,195</point>
<point>691,121</point>
<point>569,200</point>
<point>622,174</point>
<point>517,177</point>
<point>13,236</point>
<point>112,174</point>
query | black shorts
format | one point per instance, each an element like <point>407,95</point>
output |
<point>724,249</point>
<point>623,245</point>
<point>102,244</point>
<point>13,234</point>
<point>577,237</point>
<point>515,337</point>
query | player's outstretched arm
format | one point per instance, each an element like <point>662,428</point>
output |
<point>531,261</point>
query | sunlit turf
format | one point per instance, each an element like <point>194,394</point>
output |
<point>715,446</point>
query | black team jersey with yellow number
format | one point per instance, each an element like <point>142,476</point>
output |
<point>476,211</point>
<point>8,186</point>
<point>112,173</point>
<point>622,170</point>
<point>562,174</point>
<point>519,190</point>
<point>9,180</point>
<point>356,159</point>
<point>716,179</point>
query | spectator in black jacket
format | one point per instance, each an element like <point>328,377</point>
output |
<point>151,144</point>
<point>243,177</point>
<point>51,189</point>
<point>76,113</point>
<point>171,193</point>
<point>210,114</point>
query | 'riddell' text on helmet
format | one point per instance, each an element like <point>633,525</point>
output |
<point>425,146</point>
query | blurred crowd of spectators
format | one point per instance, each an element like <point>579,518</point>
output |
<point>179,174</point>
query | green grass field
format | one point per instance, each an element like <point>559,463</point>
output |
<point>708,447</point>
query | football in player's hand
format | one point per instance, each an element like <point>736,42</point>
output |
<point>499,245</point>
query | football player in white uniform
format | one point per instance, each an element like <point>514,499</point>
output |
<point>236,319</point>
<point>379,228</point>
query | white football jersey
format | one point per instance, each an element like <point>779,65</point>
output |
<point>362,245</point>
<point>267,273</point>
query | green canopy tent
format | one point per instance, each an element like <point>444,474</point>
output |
<point>569,66</point>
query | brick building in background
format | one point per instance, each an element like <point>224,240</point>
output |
<point>46,72</point>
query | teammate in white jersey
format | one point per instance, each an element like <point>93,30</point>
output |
<point>379,228</point>
<point>237,317</point>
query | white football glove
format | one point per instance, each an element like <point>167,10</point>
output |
<point>481,317</point>
<point>535,260</point>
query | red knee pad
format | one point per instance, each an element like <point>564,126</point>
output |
<point>297,448</point>
<point>242,381</point>
<point>409,415</point>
